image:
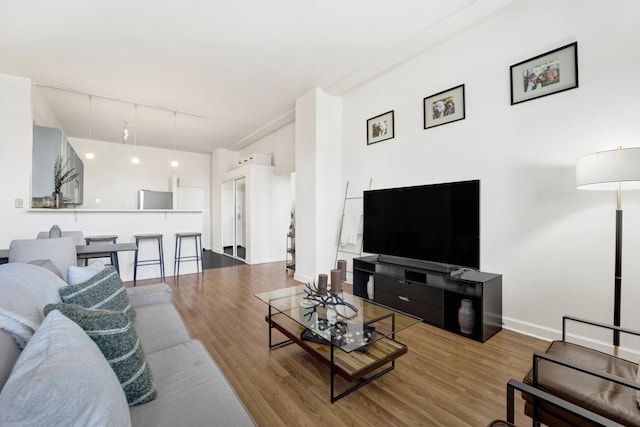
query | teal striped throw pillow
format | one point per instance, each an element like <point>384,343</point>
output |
<point>103,291</point>
<point>116,338</point>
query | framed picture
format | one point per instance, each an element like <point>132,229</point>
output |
<point>444,107</point>
<point>380,128</point>
<point>546,74</point>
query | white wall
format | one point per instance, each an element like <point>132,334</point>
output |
<point>43,114</point>
<point>318,184</point>
<point>553,244</point>
<point>280,144</point>
<point>16,136</point>
<point>111,177</point>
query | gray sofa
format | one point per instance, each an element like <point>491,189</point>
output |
<point>191,389</point>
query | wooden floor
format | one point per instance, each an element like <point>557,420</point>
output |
<point>444,380</point>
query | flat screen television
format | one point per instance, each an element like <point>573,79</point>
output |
<point>435,223</point>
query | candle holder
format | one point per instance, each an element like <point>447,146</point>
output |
<point>342,266</point>
<point>322,284</point>
<point>336,281</point>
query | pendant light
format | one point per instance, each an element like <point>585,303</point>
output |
<point>135,160</point>
<point>125,133</point>
<point>174,162</point>
<point>89,155</point>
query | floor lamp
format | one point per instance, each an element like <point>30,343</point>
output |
<point>612,170</point>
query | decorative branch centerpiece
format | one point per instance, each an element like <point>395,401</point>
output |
<point>321,299</point>
<point>61,176</point>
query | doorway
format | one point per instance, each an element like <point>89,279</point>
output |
<point>233,218</point>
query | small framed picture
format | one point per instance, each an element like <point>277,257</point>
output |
<point>552,72</point>
<point>444,107</point>
<point>380,128</point>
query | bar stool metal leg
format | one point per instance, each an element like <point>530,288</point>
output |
<point>161,252</point>
<point>135,261</point>
<point>176,262</point>
<point>141,262</point>
<point>197,237</point>
<point>199,252</point>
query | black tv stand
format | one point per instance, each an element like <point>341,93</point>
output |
<point>432,292</point>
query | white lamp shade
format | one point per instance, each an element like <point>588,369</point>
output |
<point>605,169</point>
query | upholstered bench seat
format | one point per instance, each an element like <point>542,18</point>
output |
<point>614,401</point>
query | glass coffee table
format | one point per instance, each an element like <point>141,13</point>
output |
<point>356,341</point>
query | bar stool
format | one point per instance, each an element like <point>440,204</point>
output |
<point>102,239</point>
<point>197,237</point>
<point>138,262</point>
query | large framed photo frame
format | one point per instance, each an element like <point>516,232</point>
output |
<point>552,72</point>
<point>380,128</point>
<point>444,107</point>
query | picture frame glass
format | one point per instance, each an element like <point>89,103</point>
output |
<point>380,128</point>
<point>551,72</point>
<point>444,107</point>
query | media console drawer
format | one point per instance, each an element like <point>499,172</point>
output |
<point>429,313</point>
<point>408,289</point>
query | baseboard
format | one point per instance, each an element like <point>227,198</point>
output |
<point>531,329</point>
<point>550,334</point>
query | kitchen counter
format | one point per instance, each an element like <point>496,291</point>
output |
<point>124,223</point>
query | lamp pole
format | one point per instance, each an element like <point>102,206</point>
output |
<point>617,293</point>
<point>612,170</point>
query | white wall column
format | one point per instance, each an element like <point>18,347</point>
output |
<point>16,134</point>
<point>319,188</point>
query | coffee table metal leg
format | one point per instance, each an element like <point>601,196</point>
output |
<point>363,381</point>
<point>360,383</point>
<point>280,344</point>
<point>333,374</point>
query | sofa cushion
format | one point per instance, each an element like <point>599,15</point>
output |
<point>117,340</point>
<point>9,352</point>
<point>61,378</point>
<point>62,252</point>
<point>77,274</point>
<point>47,264</point>
<point>160,326</point>
<point>24,291</point>
<point>192,391</point>
<point>103,291</point>
<point>603,397</point>
<point>157,293</point>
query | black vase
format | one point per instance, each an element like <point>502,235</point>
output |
<point>57,199</point>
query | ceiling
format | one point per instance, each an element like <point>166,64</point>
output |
<point>236,67</point>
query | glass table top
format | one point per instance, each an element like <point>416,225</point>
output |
<point>350,322</point>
